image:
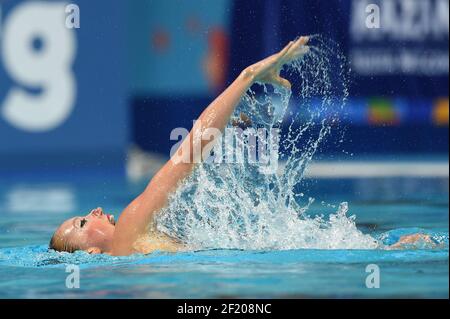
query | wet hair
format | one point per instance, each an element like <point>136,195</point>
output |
<point>59,244</point>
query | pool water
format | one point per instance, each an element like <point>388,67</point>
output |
<point>31,209</point>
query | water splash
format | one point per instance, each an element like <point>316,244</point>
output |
<point>241,204</point>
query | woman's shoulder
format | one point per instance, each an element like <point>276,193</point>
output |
<point>157,241</point>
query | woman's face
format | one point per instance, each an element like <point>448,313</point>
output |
<point>92,233</point>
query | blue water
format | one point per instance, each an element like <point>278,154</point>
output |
<point>31,209</point>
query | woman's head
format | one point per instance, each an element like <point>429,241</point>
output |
<point>92,233</point>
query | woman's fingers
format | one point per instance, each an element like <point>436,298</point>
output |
<point>298,49</point>
<point>268,69</point>
<point>286,48</point>
<point>303,40</point>
<point>300,42</point>
<point>299,52</point>
<point>292,50</point>
<point>282,56</point>
<point>274,60</point>
<point>284,51</point>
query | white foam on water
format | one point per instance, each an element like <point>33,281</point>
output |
<point>240,205</point>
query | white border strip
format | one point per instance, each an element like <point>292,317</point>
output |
<point>355,169</point>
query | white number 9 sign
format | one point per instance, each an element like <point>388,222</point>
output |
<point>47,70</point>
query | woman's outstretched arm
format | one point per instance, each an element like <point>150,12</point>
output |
<point>137,218</point>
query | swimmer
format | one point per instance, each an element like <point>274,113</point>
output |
<point>415,241</point>
<point>135,231</point>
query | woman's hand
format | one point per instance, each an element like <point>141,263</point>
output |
<point>268,70</point>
